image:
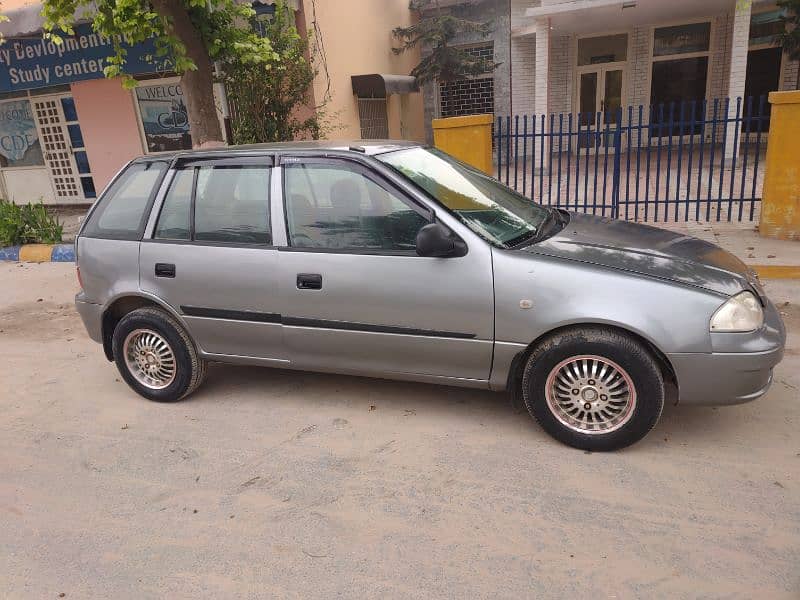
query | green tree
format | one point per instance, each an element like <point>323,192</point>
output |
<point>189,36</point>
<point>790,38</point>
<point>264,100</point>
<point>435,30</point>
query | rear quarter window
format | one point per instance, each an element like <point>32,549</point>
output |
<point>123,210</point>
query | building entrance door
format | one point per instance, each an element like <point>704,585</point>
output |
<point>763,76</point>
<point>600,98</point>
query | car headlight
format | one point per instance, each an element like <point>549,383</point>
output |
<point>740,313</point>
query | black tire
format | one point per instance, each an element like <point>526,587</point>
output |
<point>190,369</point>
<point>628,353</point>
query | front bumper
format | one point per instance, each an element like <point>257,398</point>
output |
<point>92,316</point>
<point>739,368</point>
<point>718,378</point>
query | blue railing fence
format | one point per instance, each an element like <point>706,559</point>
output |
<point>677,161</point>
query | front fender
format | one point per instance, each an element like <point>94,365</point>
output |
<point>673,317</point>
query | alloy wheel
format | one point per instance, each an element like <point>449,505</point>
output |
<point>590,394</point>
<point>150,358</point>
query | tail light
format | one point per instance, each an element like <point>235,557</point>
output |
<point>78,273</point>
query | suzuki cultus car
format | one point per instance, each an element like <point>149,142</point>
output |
<point>394,260</point>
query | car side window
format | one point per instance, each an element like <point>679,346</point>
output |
<point>123,210</point>
<point>174,220</point>
<point>331,206</point>
<point>231,205</point>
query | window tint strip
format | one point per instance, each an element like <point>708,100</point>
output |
<point>230,161</point>
<point>259,317</point>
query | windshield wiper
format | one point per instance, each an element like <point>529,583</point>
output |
<point>553,222</point>
<point>524,239</point>
<point>534,236</point>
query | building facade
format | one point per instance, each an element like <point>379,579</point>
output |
<point>590,56</point>
<point>65,130</point>
<point>354,39</point>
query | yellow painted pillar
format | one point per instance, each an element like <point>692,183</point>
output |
<point>468,138</point>
<point>780,200</point>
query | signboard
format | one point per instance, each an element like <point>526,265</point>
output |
<point>164,118</point>
<point>19,140</point>
<point>29,63</point>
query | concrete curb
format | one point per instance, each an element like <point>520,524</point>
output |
<point>777,271</point>
<point>39,253</point>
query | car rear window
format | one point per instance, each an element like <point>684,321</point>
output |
<point>122,212</point>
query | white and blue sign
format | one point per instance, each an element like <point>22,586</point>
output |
<point>29,63</point>
<point>19,141</point>
<point>164,117</point>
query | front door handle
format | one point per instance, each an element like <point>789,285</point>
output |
<point>165,270</point>
<point>309,281</point>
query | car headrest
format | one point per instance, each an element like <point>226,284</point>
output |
<point>346,197</point>
<point>301,204</point>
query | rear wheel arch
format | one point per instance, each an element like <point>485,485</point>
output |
<point>515,373</point>
<point>120,307</point>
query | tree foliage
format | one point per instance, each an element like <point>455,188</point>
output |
<point>436,30</point>
<point>189,35</point>
<point>790,38</point>
<point>265,101</point>
<point>136,21</point>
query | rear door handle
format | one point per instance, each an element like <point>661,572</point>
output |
<point>165,270</point>
<point>309,281</point>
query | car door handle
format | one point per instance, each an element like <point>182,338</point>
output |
<point>309,281</point>
<point>165,270</point>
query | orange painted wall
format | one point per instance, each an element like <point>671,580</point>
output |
<point>357,35</point>
<point>15,4</point>
<point>109,125</point>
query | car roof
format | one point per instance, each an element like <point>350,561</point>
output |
<point>368,147</point>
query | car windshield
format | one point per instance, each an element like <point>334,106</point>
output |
<point>492,210</point>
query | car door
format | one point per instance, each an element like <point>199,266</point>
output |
<point>209,255</point>
<point>356,297</point>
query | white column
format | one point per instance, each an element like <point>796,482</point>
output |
<point>523,75</point>
<point>541,104</point>
<point>541,100</point>
<point>738,71</point>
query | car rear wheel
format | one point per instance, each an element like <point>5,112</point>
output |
<point>156,357</point>
<point>593,388</point>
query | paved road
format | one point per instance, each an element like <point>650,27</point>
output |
<point>277,484</point>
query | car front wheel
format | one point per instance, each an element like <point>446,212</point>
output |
<point>156,357</point>
<point>593,388</point>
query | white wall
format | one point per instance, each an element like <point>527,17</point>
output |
<point>562,61</point>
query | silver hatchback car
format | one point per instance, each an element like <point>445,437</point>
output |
<point>395,260</point>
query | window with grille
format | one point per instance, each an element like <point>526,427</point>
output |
<point>469,96</point>
<point>373,118</point>
<point>64,151</point>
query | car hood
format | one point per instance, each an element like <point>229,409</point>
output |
<point>647,251</point>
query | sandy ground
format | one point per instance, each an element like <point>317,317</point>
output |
<point>277,484</point>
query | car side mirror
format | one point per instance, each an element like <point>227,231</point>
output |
<point>436,240</point>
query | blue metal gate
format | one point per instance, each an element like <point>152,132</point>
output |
<point>700,161</point>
